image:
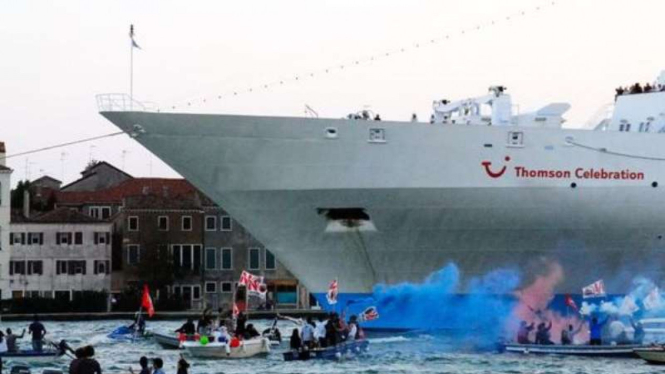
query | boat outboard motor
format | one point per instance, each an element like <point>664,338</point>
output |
<point>20,369</point>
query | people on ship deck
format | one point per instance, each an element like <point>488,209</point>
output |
<point>523,333</point>
<point>543,333</point>
<point>320,331</point>
<point>307,333</point>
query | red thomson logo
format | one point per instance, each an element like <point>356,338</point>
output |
<point>523,172</point>
<point>495,174</point>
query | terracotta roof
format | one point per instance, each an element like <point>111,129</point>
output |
<point>59,215</point>
<point>45,178</point>
<point>164,187</point>
<point>180,202</point>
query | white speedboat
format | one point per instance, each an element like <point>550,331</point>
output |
<point>246,348</point>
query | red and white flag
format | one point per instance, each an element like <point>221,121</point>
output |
<point>571,303</point>
<point>595,289</point>
<point>331,296</point>
<point>253,283</point>
<point>146,301</point>
<point>369,314</point>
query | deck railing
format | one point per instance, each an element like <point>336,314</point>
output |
<point>119,102</point>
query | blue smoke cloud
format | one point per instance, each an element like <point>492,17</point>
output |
<point>478,308</point>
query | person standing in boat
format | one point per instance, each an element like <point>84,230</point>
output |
<point>295,342</point>
<point>596,331</point>
<point>11,340</point>
<point>353,328</point>
<point>523,333</point>
<point>187,328</point>
<point>543,334</point>
<point>568,335</point>
<point>37,330</point>
<point>638,332</point>
<point>320,332</point>
<point>307,334</point>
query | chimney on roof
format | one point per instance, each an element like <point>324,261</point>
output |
<point>26,204</point>
<point>2,154</point>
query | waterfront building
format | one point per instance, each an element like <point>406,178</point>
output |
<point>5,188</point>
<point>59,254</point>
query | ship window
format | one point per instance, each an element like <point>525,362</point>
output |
<point>515,138</point>
<point>641,129</point>
<point>621,127</point>
<point>377,135</point>
<point>628,127</point>
<point>341,214</point>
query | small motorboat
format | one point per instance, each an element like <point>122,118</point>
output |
<point>167,341</point>
<point>126,333</point>
<point>228,350</point>
<point>53,352</point>
<point>654,354</point>
<point>340,351</point>
<point>573,350</point>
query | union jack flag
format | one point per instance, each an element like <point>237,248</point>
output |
<point>331,296</point>
<point>253,283</point>
<point>595,289</point>
<point>369,314</point>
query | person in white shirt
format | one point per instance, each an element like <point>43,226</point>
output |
<point>307,333</point>
<point>320,332</point>
<point>353,328</point>
<point>3,343</point>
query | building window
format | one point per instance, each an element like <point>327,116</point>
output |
<point>227,259</point>
<point>102,238</point>
<point>226,223</point>
<point>102,267</point>
<point>36,238</point>
<point>254,259</point>
<point>196,292</point>
<point>78,238</point>
<point>211,223</point>
<point>63,295</point>
<point>163,223</point>
<point>186,223</point>
<point>17,267</point>
<point>76,267</point>
<point>60,267</point>
<point>16,238</point>
<point>100,212</point>
<point>133,256</point>
<point>211,258</point>
<point>133,223</point>
<point>211,287</point>
<point>187,256</point>
<point>227,287</point>
<point>35,268</point>
<point>63,238</point>
<point>270,261</point>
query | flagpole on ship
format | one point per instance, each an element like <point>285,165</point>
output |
<point>131,67</point>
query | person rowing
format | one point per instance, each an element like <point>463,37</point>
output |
<point>187,328</point>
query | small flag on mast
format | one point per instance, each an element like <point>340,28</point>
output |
<point>331,296</point>
<point>571,303</point>
<point>146,301</point>
<point>131,36</point>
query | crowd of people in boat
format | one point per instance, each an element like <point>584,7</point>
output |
<point>221,328</point>
<point>9,341</point>
<point>325,332</point>
<point>638,89</point>
<point>597,333</point>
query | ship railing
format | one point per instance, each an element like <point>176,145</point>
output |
<point>119,102</point>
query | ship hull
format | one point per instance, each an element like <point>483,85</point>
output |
<point>433,195</point>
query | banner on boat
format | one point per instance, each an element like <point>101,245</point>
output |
<point>331,296</point>
<point>595,289</point>
<point>254,284</point>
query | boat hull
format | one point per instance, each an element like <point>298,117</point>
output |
<point>247,349</point>
<point>433,195</point>
<point>654,355</point>
<point>338,352</point>
<point>625,351</point>
<point>167,341</point>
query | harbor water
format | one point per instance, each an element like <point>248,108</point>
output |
<point>412,352</point>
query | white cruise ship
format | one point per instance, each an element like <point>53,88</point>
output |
<point>380,202</point>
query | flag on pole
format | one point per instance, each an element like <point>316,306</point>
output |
<point>331,296</point>
<point>369,314</point>
<point>131,36</point>
<point>653,300</point>
<point>254,284</point>
<point>571,303</point>
<point>146,301</point>
<point>595,289</point>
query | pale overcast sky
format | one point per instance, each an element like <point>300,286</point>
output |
<point>56,56</point>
